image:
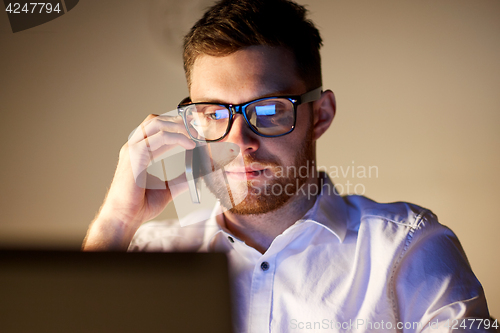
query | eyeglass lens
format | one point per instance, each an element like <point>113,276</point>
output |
<point>274,116</point>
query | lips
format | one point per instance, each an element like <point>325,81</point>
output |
<point>245,173</point>
<point>244,170</point>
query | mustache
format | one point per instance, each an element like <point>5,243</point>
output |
<point>248,160</point>
<point>229,162</point>
<point>228,156</point>
<point>218,155</point>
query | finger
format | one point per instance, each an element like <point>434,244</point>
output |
<point>169,139</point>
<point>164,123</point>
<point>137,134</point>
<point>141,155</point>
<point>152,126</point>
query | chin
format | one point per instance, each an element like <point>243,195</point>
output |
<point>253,197</point>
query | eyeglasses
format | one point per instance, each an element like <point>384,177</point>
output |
<point>268,117</point>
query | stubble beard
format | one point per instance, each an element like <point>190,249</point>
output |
<point>244,198</point>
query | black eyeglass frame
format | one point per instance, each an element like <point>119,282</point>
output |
<point>296,100</point>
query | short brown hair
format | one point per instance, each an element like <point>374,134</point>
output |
<point>231,25</point>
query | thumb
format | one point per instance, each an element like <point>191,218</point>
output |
<point>178,185</point>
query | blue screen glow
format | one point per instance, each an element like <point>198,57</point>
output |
<point>265,110</point>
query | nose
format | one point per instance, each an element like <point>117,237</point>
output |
<point>241,135</point>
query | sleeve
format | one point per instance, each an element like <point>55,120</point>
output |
<point>167,236</point>
<point>435,285</point>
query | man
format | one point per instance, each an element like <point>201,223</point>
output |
<point>303,259</point>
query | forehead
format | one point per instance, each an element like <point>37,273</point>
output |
<point>247,74</point>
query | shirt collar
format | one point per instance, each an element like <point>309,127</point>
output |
<point>329,210</point>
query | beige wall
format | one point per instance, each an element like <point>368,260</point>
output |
<point>416,82</point>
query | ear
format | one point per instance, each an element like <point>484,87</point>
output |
<point>324,111</point>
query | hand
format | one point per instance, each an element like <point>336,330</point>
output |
<point>134,195</point>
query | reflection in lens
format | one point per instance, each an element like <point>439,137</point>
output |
<point>265,110</point>
<point>271,116</point>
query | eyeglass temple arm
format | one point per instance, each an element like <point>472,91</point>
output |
<point>311,96</point>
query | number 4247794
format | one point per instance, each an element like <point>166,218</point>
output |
<point>15,8</point>
<point>471,323</point>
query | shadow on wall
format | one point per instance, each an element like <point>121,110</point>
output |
<point>170,20</point>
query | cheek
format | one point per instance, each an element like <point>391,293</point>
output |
<point>305,118</point>
<point>303,131</point>
<point>291,146</point>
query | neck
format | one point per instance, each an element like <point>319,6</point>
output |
<point>259,230</point>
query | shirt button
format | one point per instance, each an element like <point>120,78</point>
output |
<point>230,239</point>
<point>264,266</point>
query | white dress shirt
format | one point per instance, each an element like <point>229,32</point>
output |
<point>349,265</point>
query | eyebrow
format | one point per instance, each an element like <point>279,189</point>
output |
<point>278,93</point>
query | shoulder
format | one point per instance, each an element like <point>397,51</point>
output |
<point>402,229</point>
<point>413,226</point>
<point>427,265</point>
<point>400,215</point>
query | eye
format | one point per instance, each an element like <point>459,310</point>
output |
<point>216,114</point>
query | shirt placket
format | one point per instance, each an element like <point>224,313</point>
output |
<point>262,294</point>
<point>261,301</point>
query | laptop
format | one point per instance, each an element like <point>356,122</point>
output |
<point>58,291</point>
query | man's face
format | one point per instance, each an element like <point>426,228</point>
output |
<point>270,176</point>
